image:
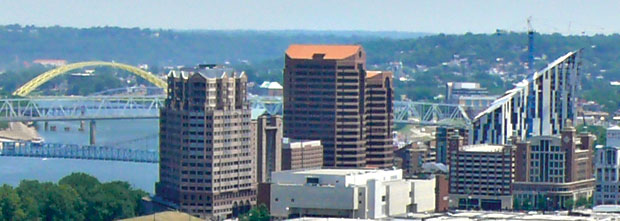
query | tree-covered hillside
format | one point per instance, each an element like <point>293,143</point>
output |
<point>428,62</point>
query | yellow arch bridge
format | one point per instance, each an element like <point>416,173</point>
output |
<point>51,74</point>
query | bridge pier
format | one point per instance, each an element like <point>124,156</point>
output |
<point>92,132</point>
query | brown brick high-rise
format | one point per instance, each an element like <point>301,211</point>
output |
<point>325,99</point>
<point>206,161</point>
<point>378,119</point>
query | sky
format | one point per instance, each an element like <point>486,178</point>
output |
<point>573,17</point>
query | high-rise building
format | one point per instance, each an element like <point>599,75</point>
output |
<point>268,138</point>
<point>550,170</point>
<point>325,98</point>
<point>537,106</point>
<point>206,161</point>
<point>379,119</point>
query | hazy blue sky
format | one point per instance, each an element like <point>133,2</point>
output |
<point>566,16</point>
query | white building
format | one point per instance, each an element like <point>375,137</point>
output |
<point>348,193</point>
<point>537,106</point>
<point>606,167</point>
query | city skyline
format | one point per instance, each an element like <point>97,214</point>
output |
<point>567,17</point>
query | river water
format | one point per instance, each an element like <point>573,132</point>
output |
<point>122,133</point>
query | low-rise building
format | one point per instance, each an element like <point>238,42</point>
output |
<point>607,169</point>
<point>481,177</point>
<point>411,157</point>
<point>348,193</point>
<point>297,154</point>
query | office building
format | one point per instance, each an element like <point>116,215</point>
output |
<point>442,137</point>
<point>411,157</point>
<point>455,90</point>
<point>329,96</point>
<point>607,169</point>
<point>554,169</point>
<point>206,161</point>
<point>301,154</point>
<point>348,193</point>
<point>268,138</point>
<point>379,119</point>
<point>481,177</point>
<point>537,106</point>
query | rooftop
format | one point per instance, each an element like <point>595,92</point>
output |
<point>168,215</point>
<point>296,51</point>
<point>339,172</point>
<point>271,85</point>
<point>483,148</point>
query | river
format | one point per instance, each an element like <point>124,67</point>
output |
<point>126,133</point>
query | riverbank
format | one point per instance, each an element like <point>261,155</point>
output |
<point>20,131</point>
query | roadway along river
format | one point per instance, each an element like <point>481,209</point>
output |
<point>126,133</point>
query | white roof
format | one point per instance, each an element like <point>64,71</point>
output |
<point>614,128</point>
<point>340,172</point>
<point>275,85</point>
<point>271,85</point>
<point>483,148</point>
<point>607,208</point>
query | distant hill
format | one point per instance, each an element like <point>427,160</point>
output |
<point>163,47</point>
<point>428,60</point>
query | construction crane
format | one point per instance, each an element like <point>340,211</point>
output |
<point>530,44</point>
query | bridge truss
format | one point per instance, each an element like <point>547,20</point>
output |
<point>131,107</point>
<point>74,151</point>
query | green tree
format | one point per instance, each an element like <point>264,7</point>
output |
<point>259,213</point>
<point>516,204</point>
<point>569,204</point>
<point>527,204</point>
<point>541,203</point>
<point>10,204</point>
<point>581,201</point>
<point>32,195</point>
<point>62,203</point>
<point>76,197</point>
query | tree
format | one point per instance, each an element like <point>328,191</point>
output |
<point>569,204</point>
<point>62,203</point>
<point>541,203</point>
<point>10,205</point>
<point>76,197</point>
<point>259,213</point>
<point>527,204</point>
<point>516,204</point>
<point>581,201</point>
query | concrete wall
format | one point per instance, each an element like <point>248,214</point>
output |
<point>315,197</point>
<point>424,195</point>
